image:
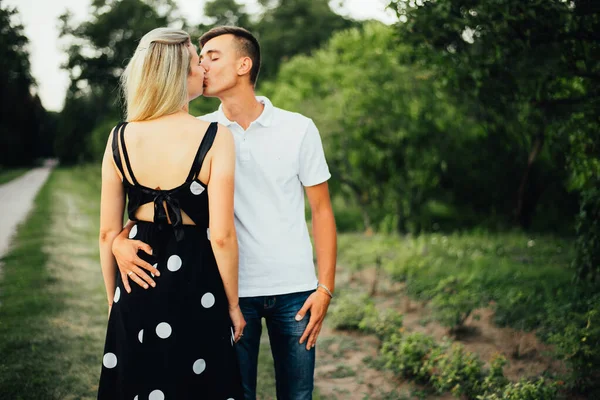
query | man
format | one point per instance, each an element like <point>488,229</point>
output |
<point>279,155</point>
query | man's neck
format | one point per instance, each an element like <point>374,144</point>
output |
<point>242,107</point>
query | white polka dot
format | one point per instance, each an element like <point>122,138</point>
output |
<point>208,233</point>
<point>141,336</point>
<point>117,295</point>
<point>156,395</point>
<point>174,263</point>
<point>208,300</point>
<point>109,360</point>
<point>163,330</point>
<point>155,266</point>
<point>133,232</point>
<point>199,366</point>
<point>196,188</point>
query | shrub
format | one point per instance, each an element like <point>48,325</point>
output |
<point>579,344</point>
<point>382,324</point>
<point>458,372</point>
<point>453,302</point>
<point>524,390</point>
<point>349,310</point>
<point>495,380</point>
<point>405,355</point>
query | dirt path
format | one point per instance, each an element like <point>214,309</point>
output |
<point>344,370</point>
<point>16,200</point>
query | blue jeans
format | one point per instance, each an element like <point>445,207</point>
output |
<point>294,365</point>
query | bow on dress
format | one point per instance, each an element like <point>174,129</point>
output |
<point>166,208</point>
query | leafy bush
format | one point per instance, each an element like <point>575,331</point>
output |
<point>579,345</point>
<point>349,310</point>
<point>458,372</point>
<point>453,302</point>
<point>382,324</point>
<point>524,390</point>
<point>405,355</point>
<point>495,379</point>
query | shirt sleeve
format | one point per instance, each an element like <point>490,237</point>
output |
<point>313,166</point>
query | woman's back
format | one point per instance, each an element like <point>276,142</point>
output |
<point>164,154</point>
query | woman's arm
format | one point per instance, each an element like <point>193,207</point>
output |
<point>220,197</point>
<point>112,205</point>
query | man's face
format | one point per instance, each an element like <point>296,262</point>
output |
<point>221,60</point>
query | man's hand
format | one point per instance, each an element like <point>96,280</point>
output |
<point>317,303</point>
<point>130,264</point>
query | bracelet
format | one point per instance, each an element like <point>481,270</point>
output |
<point>320,285</point>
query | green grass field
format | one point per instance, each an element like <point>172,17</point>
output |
<point>7,175</point>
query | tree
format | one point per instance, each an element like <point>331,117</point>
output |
<point>225,12</point>
<point>97,55</point>
<point>21,113</point>
<point>385,125</point>
<point>291,27</point>
<point>527,65</point>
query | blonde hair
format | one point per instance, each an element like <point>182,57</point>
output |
<point>155,80</point>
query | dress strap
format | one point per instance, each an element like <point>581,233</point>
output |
<point>115,149</point>
<point>126,155</point>
<point>205,145</point>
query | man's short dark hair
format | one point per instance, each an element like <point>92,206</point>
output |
<point>247,44</point>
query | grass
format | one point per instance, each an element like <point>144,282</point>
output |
<point>52,299</point>
<point>7,175</point>
<point>53,311</point>
<point>517,274</point>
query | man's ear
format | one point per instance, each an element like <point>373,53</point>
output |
<point>245,66</point>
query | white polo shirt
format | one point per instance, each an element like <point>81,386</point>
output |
<point>279,154</point>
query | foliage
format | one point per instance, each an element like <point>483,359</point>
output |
<point>284,30</point>
<point>405,354</point>
<point>577,341</point>
<point>453,301</point>
<point>458,372</point>
<point>349,310</point>
<point>587,261</point>
<point>524,66</point>
<point>382,324</point>
<point>97,54</point>
<point>525,280</point>
<point>524,390</point>
<point>387,156</point>
<point>24,124</point>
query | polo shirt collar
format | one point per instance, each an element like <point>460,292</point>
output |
<point>265,118</point>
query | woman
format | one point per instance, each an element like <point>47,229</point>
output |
<point>176,340</point>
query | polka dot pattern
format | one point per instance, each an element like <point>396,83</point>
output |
<point>133,232</point>
<point>208,300</point>
<point>109,360</point>
<point>196,188</point>
<point>181,324</point>
<point>174,263</point>
<point>163,330</point>
<point>156,395</point>
<point>199,366</point>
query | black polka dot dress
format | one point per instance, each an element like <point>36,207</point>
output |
<point>174,341</point>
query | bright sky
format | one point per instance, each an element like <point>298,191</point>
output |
<point>40,19</point>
